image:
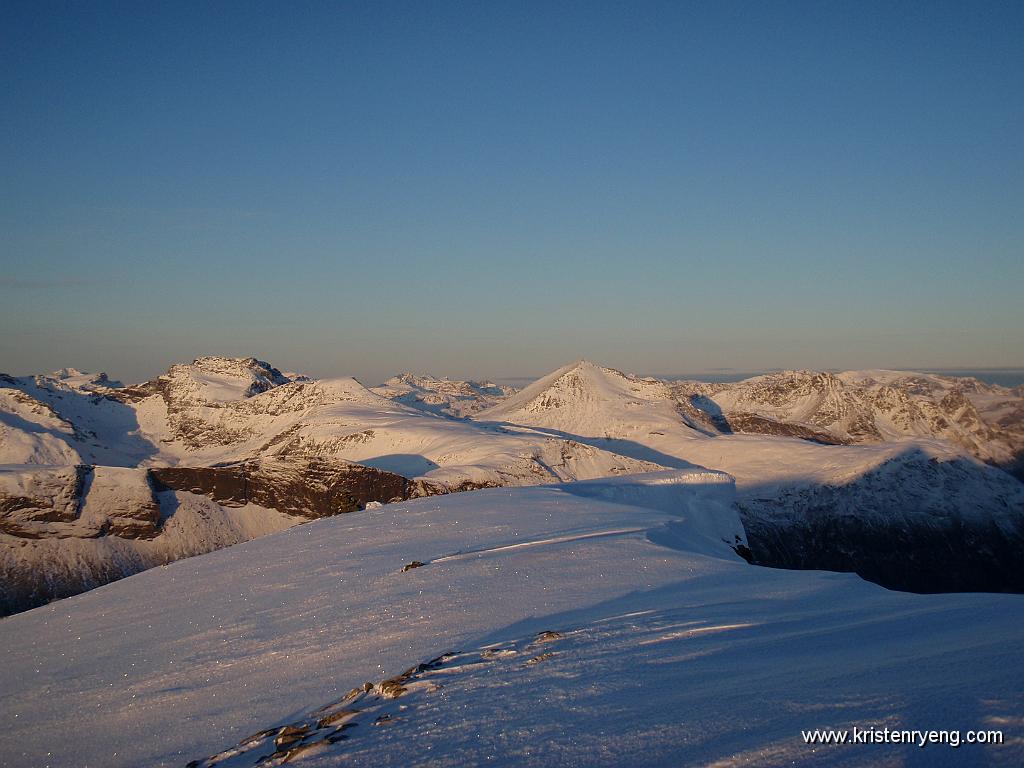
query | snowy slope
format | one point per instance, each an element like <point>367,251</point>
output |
<point>31,432</point>
<point>76,409</point>
<point>647,418</point>
<point>372,430</point>
<point>587,399</point>
<point>909,513</point>
<point>343,419</point>
<point>599,623</point>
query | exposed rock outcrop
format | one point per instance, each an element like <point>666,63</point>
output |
<point>310,488</point>
<point>37,502</point>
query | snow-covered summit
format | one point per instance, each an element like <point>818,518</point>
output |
<point>589,400</point>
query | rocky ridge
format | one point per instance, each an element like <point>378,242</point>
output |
<point>857,407</point>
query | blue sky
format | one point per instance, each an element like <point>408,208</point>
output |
<point>494,189</point>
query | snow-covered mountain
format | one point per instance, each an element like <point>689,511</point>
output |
<point>599,623</point>
<point>222,410</point>
<point>638,417</point>
<point>232,429</point>
<point>583,398</point>
<point>986,420</point>
<point>919,520</point>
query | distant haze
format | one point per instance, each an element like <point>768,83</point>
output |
<point>496,189</point>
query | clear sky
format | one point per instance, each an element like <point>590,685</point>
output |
<point>495,189</point>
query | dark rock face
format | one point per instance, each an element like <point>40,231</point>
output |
<point>47,496</point>
<point>952,556</point>
<point>51,504</point>
<point>422,487</point>
<point>310,488</point>
<point>917,525</point>
<point>751,423</point>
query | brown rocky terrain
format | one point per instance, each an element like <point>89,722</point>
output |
<point>312,488</point>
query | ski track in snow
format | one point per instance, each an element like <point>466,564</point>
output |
<point>501,548</point>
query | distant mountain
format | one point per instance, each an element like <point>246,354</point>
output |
<point>445,396</point>
<point>223,410</point>
<point>588,401</point>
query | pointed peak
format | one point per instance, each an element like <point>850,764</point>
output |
<point>590,369</point>
<point>577,387</point>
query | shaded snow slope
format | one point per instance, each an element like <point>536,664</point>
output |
<point>599,623</point>
<point>31,432</point>
<point>37,571</point>
<point>920,520</point>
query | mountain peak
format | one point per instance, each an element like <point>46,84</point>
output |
<point>585,398</point>
<point>239,366</point>
<point>213,378</point>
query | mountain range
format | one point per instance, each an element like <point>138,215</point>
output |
<point>883,473</point>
